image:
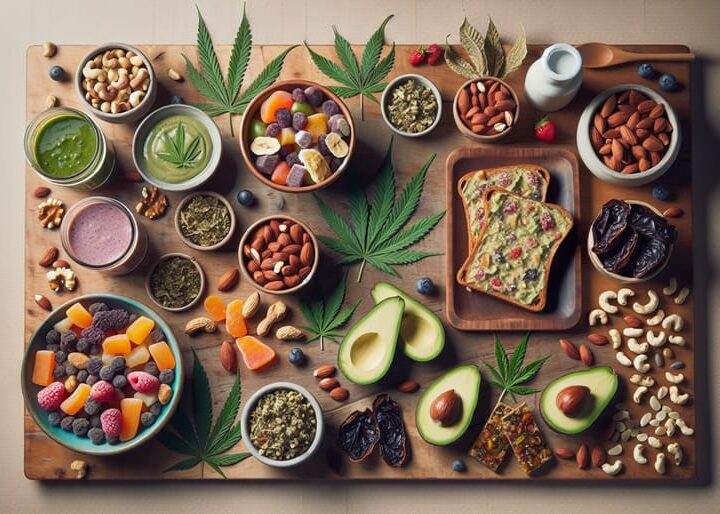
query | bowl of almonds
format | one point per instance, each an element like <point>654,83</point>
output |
<point>629,135</point>
<point>486,109</point>
<point>278,255</point>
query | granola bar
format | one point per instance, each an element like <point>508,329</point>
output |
<point>526,439</point>
<point>491,446</point>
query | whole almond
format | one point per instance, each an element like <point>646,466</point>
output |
<point>43,302</point>
<point>275,285</point>
<point>565,453</point>
<point>596,138</point>
<point>328,370</point>
<point>339,394</point>
<point>617,150</point>
<point>408,386</point>
<point>632,322</point>
<point>228,357</point>
<point>633,167</point>
<point>657,111</point>
<point>275,227</point>
<point>597,339</point>
<point>60,263</point>
<point>505,105</point>
<point>652,144</point>
<point>617,118</point>
<point>228,280</point>
<point>293,249</point>
<point>296,233</point>
<point>284,239</point>
<point>307,254</point>
<point>673,212</point>
<point>292,280</point>
<point>608,106</point>
<point>659,125</point>
<point>628,135</point>
<point>638,152</point>
<point>472,112</point>
<point>41,192</point>
<point>633,120</point>
<point>328,384</point>
<point>586,355</point>
<point>267,234</point>
<point>635,97</point>
<point>570,349</point>
<point>643,164</point>
<point>645,123</point>
<point>582,457</point>
<point>664,138</point>
<point>599,123</point>
<point>646,106</point>
<point>463,101</point>
<point>48,257</point>
<point>598,456</point>
<point>259,277</point>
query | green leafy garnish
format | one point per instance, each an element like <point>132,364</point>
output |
<point>197,438</point>
<point>375,232</point>
<point>325,315</point>
<point>363,79</point>
<point>509,374</point>
<point>487,56</point>
<point>178,154</point>
<point>225,96</point>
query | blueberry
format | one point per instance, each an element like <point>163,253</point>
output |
<point>661,192</point>
<point>97,307</point>
<point>55,418</point>
<point>296,357</point>
<point>119,381</point>
<point>94,365</point>
<point>96,435</point>
<point>112,439</point>
<point>322,145</point>
<point>92,407</point>
<point>314,96</point>
<point>118,364</point>
<point>57,73</point>
<point>245,197</point>
<point>59,371</point>
<point>67,423</point>
<point>151,368</point>
<point>156,408</point>
<point>92,380</point>
<point>60,356</point>
<point>459,466</point>
<point>70,369</point>
<point>82,376</point>
<point>530,275</point>
<point>52,337</point>
<point>425,286</point>
<point>147,419</point>
<point>167,376</point>
<point>176,99</point>
<point>82,345</point>
<point>668,82</point>
<point>330,108</point>
<point>95,422</point>
<point>299,120</point>
<point>292,158</point>
<point>80,427</point>
<point>107,373</point>
<point>646,71</point>
<point>157,335</point>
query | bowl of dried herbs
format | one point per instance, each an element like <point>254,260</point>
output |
<point>175,282</point>
<point>411,105</point>
<point>205,220</point>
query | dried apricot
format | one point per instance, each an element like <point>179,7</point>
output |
<point>79,315</point>
<point>215,307</point>
<point>274,102</point>
<point>255,354</point>
<point>234,320</point>
<point>140,329</point>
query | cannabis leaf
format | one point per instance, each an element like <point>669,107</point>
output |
<point>325,315</point>
<point>487,56</point>
<point>363,79</point>
<point>509,374</point>
<point>178,154</point>
<point>225,96</point>
<point>197,438</point>
<point>375,233</point>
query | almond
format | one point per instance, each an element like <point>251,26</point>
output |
<point>632,322</point>
<point>617,150</point>
<point>48,257</point>
<point>293,249</point>
<point>643,164</point>
<point>43,302</point>
<point>664,138</point>
<point>586,355</point>
<point>275,285</point>
<point>328,384</point>
<point>284,239</point>
<point>564,453</point>
<point>60,263</point>
<point>597,339</point>
<point>41,192</point>
<point>291,281</point>
<point>652,144</point>
<point>617,118</point>
<point>228,357</point>
<point>638,152</point>
<point>581,457</point>
<point>132,176</point>
<point>646,106</point>
<point>608,106</point>
<point>307,254</point>
<point>472,112</point>
<point>505,105</point>
<point>659,125</point>
<point>328,370</point>
<point>463,101</point>
<point>275,227</point>
<point>228,280</point>
<point>628,135</point>
<point>267,234</point>
<point>633,120</point>
<point>599,123</point>
<point>339,394</point>
<point>570,349</point>
<point>596,138</point>
<point>636,97</point>
<point>630,168</point>
<point>598,456</point>
<point>296,233</point>
<point>657,111</point>
<point>408,386</point>
<point>645,123</point>
<point>673,212</point>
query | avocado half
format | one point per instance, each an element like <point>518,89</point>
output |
<point>421,330</point>
<point>602,382</point>
<point>465,380</point>
<point>368,348</point>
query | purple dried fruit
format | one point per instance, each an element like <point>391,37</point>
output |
<point>303,138</point>
<point>283,118</point>
<point>314,95</point>
<point>299,121</point>
<point>272,130</point>
<point>266,163</point>
<point>296,175</point>
<point>330,108</point>
<point>298,95</point>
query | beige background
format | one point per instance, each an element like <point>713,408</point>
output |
<point>27,22</point>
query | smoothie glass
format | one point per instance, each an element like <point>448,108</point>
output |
<point>102,234</point>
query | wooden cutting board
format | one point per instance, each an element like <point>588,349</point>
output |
<point>47,460</point>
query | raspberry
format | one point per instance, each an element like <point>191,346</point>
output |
<point>516,252</point>
<point>49,398</point>
<point>102,391</point>
<point>143,382</point>
<point>114,319</point>
<point>546,221</point>
<point>495,283</point>
<point>111,421</point>
<point>505,180</point>
<point>510,207</point>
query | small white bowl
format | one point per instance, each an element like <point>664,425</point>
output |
<point>245,424</point>
<point>598,168</point>
<point>423,82</point>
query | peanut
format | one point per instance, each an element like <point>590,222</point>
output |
<point>276,312</point>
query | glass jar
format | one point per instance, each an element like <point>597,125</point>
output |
<point>553,80</point>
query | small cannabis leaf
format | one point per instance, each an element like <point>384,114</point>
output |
<point>225,96</point>
<point>363,79</point>
<point>375,233</point>
<point>197,438</point>
<point>178,154</point>
<point>509,374</point>
<point>487,56</point>
<point>325,315</point>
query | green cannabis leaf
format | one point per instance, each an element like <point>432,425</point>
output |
<point>225,96</point>
<point>509,374</point>
<point>325,315</point>
<point>363,79</point>
<point>375,232</point>
<point>487,56</point>
<point>178,154</point>
<point>197,438</point>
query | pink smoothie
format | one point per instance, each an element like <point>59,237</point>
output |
<point>100,234</point>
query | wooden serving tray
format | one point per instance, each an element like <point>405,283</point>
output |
<point>47,460</point>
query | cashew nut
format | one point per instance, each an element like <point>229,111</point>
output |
<point>674,322</point>
<point>614,468</point>
<point>674,379</point>
<point>105,91</point>
<point>678,340</point>
<point>682,296</point>
<point>623,295</point>
<point>684,429</point>
<point>615,450</point>
<point>109,61</point>
<point>105,107</point>
<point>655,403</point>
<point>136,60</point>
<point>676,397</point>
<point>604,301</point>
<point>142,74</point>
<point>670,427</point>
<point>620,426</point>
<point>649,307</point>
<point>662,392</point>
<point>621,415</point>
<point>136,97</point>
<point>644,420</point>
<point>636,347</point>
<point>638,454</point>
<point>80,467</point>
<point>656,319</point>
<point>643,381</point>
<point>632,332</point>
<point>122,82</point>
<point>597,316</point>
<point>655,341</point>
<point>615,338</point>
<point>675,450</point>
<point>623,359</point>
<point>654,442</point>
<point>640,363</point>
<point>91,73</point>
<point>660,463</point>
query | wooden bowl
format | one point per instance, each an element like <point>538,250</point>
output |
<point>224,201</point>
<point>249,115</point>
<point>465,131</point>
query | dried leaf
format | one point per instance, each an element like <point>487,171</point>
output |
<point>517,54</point>
<point>458,64</point>
<point>494,53</point>
<point>474,45</point>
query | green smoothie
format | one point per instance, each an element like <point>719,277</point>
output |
<point>65,145</point>
<point>177,149</point>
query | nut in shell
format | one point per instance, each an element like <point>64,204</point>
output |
<point>289,333</point>
<point>50,213</point>
<point>201,323</point>
<point>251,305</point>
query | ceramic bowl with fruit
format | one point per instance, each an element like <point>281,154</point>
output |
<point>297,136</point>
<point>628,135</point>
<point>486,109</point>
<point>102,374</point>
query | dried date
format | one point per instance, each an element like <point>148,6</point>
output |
<point>621,257</point>
<point>389,419</point>
<point>358,435</point>
<point>649,256</point>
<point>609,226</point>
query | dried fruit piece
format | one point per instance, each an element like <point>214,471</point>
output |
<point>358,435</point>
<point>255,354</point>
<point>215,307</point>
<point>337,145</point>
<point>391,426</point>
<point>162,355</point>
<point>140,329</point>
<point>315,163</point>
<point>130,409</point>
<point>234,320</point>
<point>265,145</point>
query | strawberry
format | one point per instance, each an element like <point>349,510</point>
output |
<point>545,130</point>
<point>435,53</point>
<point>417,57</point>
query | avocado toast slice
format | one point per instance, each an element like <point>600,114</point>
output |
<point>512,257</point>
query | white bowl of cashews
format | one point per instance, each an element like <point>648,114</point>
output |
<point>117,82</point>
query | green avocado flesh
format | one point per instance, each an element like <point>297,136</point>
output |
<point>465,380</point>
<point>602,382</point>
<point>368,348</point>
<point>421,330</point>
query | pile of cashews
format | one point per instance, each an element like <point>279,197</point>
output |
<point>115,81</point>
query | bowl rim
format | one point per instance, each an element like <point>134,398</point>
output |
<point>319,425</point>
<point>120,117</point>
<point>228,205</point>
<point>245,126</point>
<point>393,84</point>
<point>593,162</point>
<point>106,449</point>
<point>470,134</point>
<point>264,220</point>
<point>145,126</point>
<point>155,265</point>
<point>595,260</point>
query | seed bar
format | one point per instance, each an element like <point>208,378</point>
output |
<point>526,440</point>
<point>491,446</point>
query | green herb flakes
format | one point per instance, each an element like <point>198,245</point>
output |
<point>412,108</point>
<point>282,425</point>
<point>204,220</point>
<point>175,282</point>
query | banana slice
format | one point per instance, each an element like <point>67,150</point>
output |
<point>316,164</point>
<point>264,145</point>
<point>337,145</point>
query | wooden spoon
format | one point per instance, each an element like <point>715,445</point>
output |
<point>601,55</point>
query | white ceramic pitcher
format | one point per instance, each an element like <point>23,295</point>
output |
<point>553,80</point>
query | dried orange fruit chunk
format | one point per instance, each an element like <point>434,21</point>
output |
<point>79,315</point>
<point>276,101</point>
<point>215,307</point>
<point>43,367</point>
<point>138,356</point>
<point>162,355</point>
<point>73,403</point>
<point>255,353</point>
<point>130,408</point>
<point>140,329</point>
<point>234,320</point>
<point>118,344</point>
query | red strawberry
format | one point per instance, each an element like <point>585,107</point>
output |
<point>435,53</point>
<point>111,421</point>
<point>545,130</point>
<point>102,391</point>
<point>143,382</point>
<point>418,56</point>
<point>50,397</point>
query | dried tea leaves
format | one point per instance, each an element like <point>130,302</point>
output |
<point>175,282</point>
<point>412,107</point>
<point>204,220</point>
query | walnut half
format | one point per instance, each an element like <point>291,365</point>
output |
<point>50,213</point>
<point>153,203</point>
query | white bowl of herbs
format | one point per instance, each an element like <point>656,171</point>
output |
<point>205,220</point>
<point>411,105</point>
<point>282,425</point>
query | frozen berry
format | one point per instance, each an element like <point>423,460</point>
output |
<point>94,365</point>
<point>322,146</point>
<point>330,108</point>
<point>459,466</point>
<point>92,380</point>
<point>58,371</point>
<point>314,96</point>
<point>82,345</point>
<point>147,419</point>
<point>95,421</point>
<point>668,82</point>
<point>547,221</point>
<point>156,408</point>
<point>97,307</point>
<point>298,95</point>
<point>244,197</point>
<point>339,124</point>
<point>296,357</point>
<point>111,421</point>
<point>515,252</point>
<point>157,334</point>
<point>176,99</point>
<point>95,349</point>
<point>107,373</point>
<point>55,418</point>
<point>57,73</point>
<point>425,286</point>
<point>82,376</point>
<point>93,335</point>
<point>52,337</point>
<point>103,391</point>
<point>167,376</point>
<point>530,275</point>
<point>52,347</point>
<point>67,341</point>
<point>283,118</point>
<point>303,138</point>
<point>151,368</point>
<point>119,381</point>
<point>143,382</point>
<point>273,130</point>
<point>70,369</point>
<point>67,423</point>
<point>646,71</point>
<point>112,439</point>
<point>292,158</point>
<point>661,192</point>
<point>299,120</point>
<point>335,163</point>
<point>80,427</point>
<point>93,407</point>
<point>60,356</point>
<point>118,363</point>
<point>284,151</point>
<point>96,435</point>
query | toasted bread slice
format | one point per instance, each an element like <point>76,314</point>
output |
<point>514,252</point>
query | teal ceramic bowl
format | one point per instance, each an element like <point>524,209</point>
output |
<point>83,444</point>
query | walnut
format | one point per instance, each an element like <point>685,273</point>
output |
<point>60,278</point>
<point>153,203</point>
<point>50,213</point>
